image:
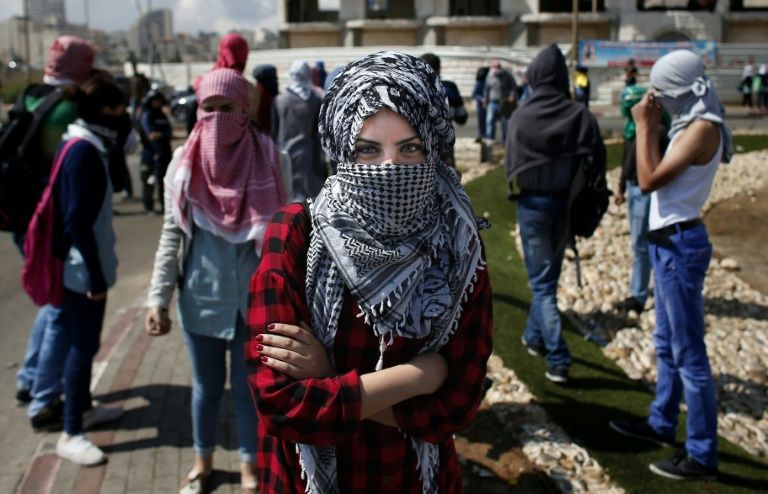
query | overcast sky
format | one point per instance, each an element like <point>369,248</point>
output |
<point>188,15</point>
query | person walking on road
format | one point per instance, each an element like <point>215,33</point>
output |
<point>156,135</point>
<point>221,189</point>
<point>549,136</point>
<point>478,95</point>
<point>39,380</point>
<point>500,99</point>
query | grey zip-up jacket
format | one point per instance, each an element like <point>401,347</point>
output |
<point>172,248</point>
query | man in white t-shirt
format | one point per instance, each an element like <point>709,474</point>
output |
<point>680,252</point>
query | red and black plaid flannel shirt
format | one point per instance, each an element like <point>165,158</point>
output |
<point>370,457</point>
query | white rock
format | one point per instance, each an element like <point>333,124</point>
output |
<point>729,264</point>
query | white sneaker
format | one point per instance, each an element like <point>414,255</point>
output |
<point>101,415</point>
<point>79,449</point>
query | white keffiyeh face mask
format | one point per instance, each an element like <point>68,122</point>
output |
<point>390,200</point>
<point>683,89</point>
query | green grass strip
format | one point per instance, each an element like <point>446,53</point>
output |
<point>599,390</point>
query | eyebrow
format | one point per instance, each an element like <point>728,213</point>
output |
<point>369,141</point>
<point>414,136</point>
<point>362,139</point>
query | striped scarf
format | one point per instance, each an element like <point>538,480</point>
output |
<point>402,238</point>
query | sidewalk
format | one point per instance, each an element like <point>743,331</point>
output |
<point>150,448</point>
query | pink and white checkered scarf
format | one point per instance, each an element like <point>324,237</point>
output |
<point>228,179</point>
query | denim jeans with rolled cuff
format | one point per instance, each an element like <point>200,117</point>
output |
<point>542,222</point>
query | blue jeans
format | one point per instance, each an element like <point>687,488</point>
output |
<point>44,361</point>
<point>209,372</point>
<point>681,354</point>
<point>493,115</point>
<point>639,208</point>
<point>542,227</point>
<point>481,115</point>
<point>25,377</point>
<point>41,371</point>
<point>78,322</point>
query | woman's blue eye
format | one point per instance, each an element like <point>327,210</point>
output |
<point>411,148</point>
<point>365,150</point>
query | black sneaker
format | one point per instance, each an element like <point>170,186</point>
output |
<point>640,429</point>
<point>536,351</point>
<point>558,375</point>
<point>683,467</point>
<point>23,397</point>
<point>629,304</point>
<point>49,419</point>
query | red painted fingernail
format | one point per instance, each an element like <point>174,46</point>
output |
<point>259,348</point>
<point>264,359</point>
<point>259,337</point>
<point>271,326</point>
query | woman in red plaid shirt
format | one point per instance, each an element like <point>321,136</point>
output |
<point>370,317</point>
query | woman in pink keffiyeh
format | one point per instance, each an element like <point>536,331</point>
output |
<point>222,188</point>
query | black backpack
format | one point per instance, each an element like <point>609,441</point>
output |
<point>588,198</point>
<point>22,175</point>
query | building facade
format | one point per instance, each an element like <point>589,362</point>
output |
<point>48,11</point>
<point>151,32</point>
<point>515,23</point>
<point>14,43</point>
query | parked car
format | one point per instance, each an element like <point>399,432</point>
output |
<point>182,104</point>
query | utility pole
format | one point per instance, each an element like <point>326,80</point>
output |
<point>575,32</point>
<point>87,16</point>
<point>26,42</point>
<point>148,27</point>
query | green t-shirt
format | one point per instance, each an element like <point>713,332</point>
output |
<point>757,84</point>
<point>54,124</point>
<point>630,96</point>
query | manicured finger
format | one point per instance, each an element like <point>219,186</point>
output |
<point>288,369</point>
<point>283,342</point>
<point>290,330</point>
<point>287,356</point>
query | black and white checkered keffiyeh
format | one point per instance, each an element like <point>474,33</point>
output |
<point>403,239</point>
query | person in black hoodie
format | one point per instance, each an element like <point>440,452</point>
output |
<point>547,139</point>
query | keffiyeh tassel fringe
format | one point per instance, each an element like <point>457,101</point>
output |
<point>428,463</point>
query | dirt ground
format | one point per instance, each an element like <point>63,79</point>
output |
<point>493,461</point>
<point>738,228</point>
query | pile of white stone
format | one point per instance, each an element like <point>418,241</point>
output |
<point>736,315</point>
<point>544,443</point>
<point>737,334</point>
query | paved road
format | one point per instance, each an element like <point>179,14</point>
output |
<point>137,235</point>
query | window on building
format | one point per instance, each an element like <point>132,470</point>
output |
<point>749,5</point>
<point>677,5</point>
<point>475,7</point>
<point>554,6</point>
<point>312,11</point>
<point>389,9</point>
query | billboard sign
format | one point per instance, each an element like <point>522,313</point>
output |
<point>600,53</point>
